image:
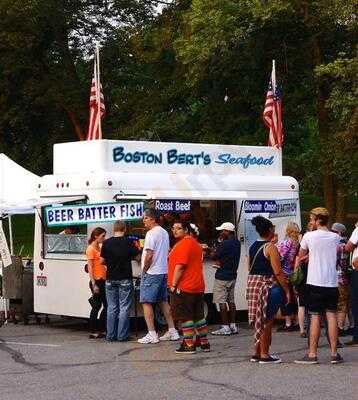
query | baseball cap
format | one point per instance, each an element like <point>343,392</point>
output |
<point>227,226</point>
<point>195,229</point>
<point>337,227</point>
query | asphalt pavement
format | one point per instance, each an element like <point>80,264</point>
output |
<point>59,362</point>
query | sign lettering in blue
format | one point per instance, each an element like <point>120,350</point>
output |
<point>174,157</point>
<point>92,213</point>
<point>260,206</point>
<point>173,205</point>
<point>276,208</point>
<point>245,162</point>
<point>285,208</point>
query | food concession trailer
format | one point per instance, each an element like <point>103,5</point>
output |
<point>96,182</point>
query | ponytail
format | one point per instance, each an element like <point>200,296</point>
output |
<point>95,233</point>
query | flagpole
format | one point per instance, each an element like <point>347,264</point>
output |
<point>98,94</point>
<point>273,76</point>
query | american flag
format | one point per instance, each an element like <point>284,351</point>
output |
<point>273,112</point>
<point>97,107</point>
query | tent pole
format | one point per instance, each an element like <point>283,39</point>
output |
<point>10,236</point>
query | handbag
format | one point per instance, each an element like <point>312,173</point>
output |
<point>297,277</point>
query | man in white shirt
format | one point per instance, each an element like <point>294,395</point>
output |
<point>352,246</point>
<point>321,245</point>
<point>153,285</point>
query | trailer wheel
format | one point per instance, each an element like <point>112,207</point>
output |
<point>47,320</point>
<point>209,311</point>
<point>159,316</point>
<point>209,308</point>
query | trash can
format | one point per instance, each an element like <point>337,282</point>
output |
<point>18,287</point>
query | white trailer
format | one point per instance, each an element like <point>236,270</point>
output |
<point>207,183</point>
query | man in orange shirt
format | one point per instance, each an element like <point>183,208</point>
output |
<point>186,283</point>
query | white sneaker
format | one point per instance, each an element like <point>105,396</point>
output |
<point>170,336</point>
<point>234,330</point>
<point>222,332</point>
<point>148,338</point>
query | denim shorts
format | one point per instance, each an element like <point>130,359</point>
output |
<point>274,301</point>
<point>153,288</point>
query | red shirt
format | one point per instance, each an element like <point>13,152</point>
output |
<point>189,253</point>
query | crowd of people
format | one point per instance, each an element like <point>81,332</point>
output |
<point>308,277</point>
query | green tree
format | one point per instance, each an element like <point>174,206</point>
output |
<point>45,69</point>
<point>227,38</point>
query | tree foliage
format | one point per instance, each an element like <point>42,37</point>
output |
<point>198,72</point>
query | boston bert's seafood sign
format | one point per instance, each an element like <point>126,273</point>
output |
<point>172,158</point>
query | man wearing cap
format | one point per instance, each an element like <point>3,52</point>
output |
<point>226,258</point>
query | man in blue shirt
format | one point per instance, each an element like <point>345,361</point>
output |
<point>226,258</point>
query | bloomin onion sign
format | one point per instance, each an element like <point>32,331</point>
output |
<point>275,208</point>
<point>92,213</point>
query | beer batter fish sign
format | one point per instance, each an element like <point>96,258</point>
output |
<point>92,213</point>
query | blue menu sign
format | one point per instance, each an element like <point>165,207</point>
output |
<point>276,208</point>
<point>93,213</point>
<point>177,206</point>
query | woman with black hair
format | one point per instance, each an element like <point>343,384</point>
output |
<point>266,286</point>
<point>186,287</point>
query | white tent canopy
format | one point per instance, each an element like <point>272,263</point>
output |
<point>18,193</point>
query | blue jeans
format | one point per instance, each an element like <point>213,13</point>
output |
<point>119,298</point>
<point>274,301</point>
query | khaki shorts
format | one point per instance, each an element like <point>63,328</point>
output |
<point>343,299</point>
<point>224,291</point>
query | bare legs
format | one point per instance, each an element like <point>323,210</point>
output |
<point>301,319</point>
<point>315,331</point>
<point>227,315</point>
<point>232,309</point>
<point>165,307</point>
<point>263,346</point>
<point>341,320</point>
<point>149,315</point>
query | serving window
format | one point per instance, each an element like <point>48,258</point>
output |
<point>71,241</point>
<point>64,240</point>
<point>206,214</point>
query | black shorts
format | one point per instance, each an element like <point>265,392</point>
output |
<point>322,299</point>
<point>187,306</point>
<point>302,294</point>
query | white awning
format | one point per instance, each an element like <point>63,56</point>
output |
<point>29,206</point>
<point>17,186</point>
